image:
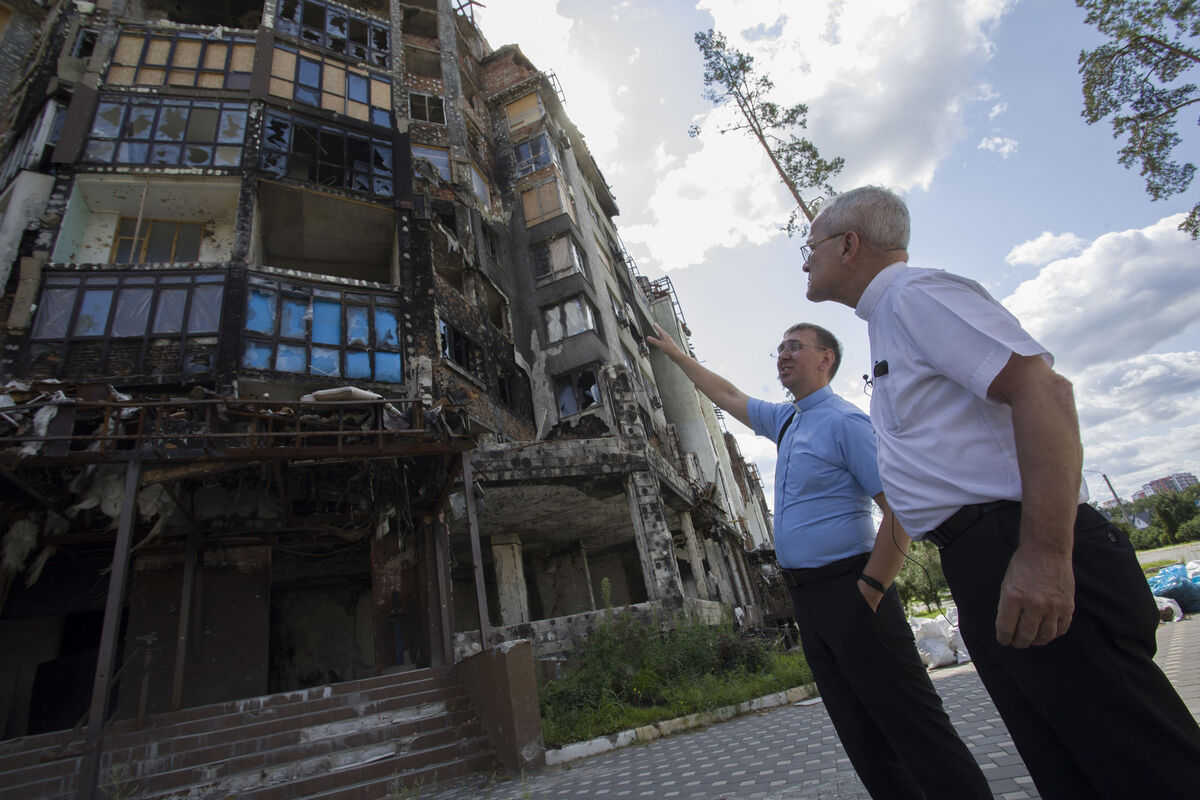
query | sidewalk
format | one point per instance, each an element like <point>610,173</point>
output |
<point>792,752</point>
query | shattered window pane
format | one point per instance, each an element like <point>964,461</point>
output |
<point>388,367</point>
<point>578,314</point>
<point>139,122</point>
<point>167,154</point>
<point>278,133</point>
<point>325,362</point>
<point>257,356</point>
<point>169,317</point>
<point>93,312</point>
<point>290,358</point>
<point>356,325</point>
<point>133,312</point>
<point>565,392</point>
<point>132,152</point>
<point>292,321</point>
<point>101,152</point>
<point>172,124</point>
<point>589,390</point>
<point>233,127</point>
<point>202,124</point>
<point>227,156</point>
<point>108,120</point>
<point>205,314</point>
<point>387,331</point>
<point>197,156</point>
<point>260,311</point>
<point>53,313</point>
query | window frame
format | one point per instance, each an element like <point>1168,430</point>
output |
<point>576,257</point>
<point>284,291</point>
<point>149,115</point>
<point>144,232</point>
<point>376,107</point>
<point>566,329</point>
<point>459,349</point>
<point>291,22</point>
<point>158,282</point>
<point>428,107</point>
<point>532,162</point>
<point>380,181</point>
<point>572,379</point>
<point>141,66</point>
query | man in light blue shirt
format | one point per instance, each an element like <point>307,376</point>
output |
<point>839,572</point>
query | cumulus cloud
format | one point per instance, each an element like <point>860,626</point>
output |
<point>1125,293</point>
<point>861,93</point>
<point>1045,248</point>
<point>999,144</point>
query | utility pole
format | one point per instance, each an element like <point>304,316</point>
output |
<point>1120,505</point>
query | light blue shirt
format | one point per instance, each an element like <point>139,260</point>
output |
<point>825,478</point>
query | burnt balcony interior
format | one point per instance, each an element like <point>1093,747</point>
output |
<point>246,14</point>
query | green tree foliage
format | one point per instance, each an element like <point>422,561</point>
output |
<point>1171,511</point>
<point>729,76</point>
<point>921,579</point>
<point>1138,79</point>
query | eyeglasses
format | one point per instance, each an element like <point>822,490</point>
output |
<point>807,248</point>
<point>792,346</point>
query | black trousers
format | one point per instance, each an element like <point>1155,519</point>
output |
<point>1091,713</point>
<point>879,696</point>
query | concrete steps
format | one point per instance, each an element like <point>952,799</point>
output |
<point>355,739</point>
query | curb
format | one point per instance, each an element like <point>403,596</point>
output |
<point>648,733</point>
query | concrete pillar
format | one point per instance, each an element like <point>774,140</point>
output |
<point>656,548</point>
<point>695,557</point>
<point>510,579</point>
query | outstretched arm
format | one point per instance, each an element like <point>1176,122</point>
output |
<point>1037,597</point>
<point>720,391</point>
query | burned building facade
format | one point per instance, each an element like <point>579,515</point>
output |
<point>318,332</point>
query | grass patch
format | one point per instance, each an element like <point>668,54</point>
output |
<point>1152,567</point>
<point>631,673</point>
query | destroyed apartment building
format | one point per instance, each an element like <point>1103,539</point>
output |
<point>323,361</point>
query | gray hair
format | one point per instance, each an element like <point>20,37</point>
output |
<point>824,339</point>
<point>877,215</point>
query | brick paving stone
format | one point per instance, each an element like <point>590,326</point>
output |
<point>792,752</point>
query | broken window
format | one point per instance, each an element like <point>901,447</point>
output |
<point>494,303</point>
<point>419,22</point>
<point>85,43</point>
<point>172,133</point>
<point>524,111</point>
<point>327,83</point>
<point>556,257</point>
<point>156,241</point>
<point>119,304</point>
<point>296,148</point>
<point>480,186</point>
<point>573,315</point>
<point>460,348</point>
<point>342,30</point>
<point>423,63</point>
<point>427,108</point>
<point>576,391</point>
<point>298,327</point>
<point>545,201</point>
<point>182,59</point>
<point>533,154</point>
<point>438,157</point>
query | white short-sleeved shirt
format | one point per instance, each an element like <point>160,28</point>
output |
<point>938,341</point>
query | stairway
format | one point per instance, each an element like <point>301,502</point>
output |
<point>362,739</point>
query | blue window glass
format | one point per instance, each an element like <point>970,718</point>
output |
<point>358,364</point>
<point>380,116</point>
<point>356,326</point>
<point>292,320</point>
<point>164,154</point>
<point>356,87</point>
<point>325,362</point>
<point>260,311</point>
<point>388,367</point>
<point>107,124</point>
<point>309,73</point>
<point>257,355</point>
<point>327,322</point>
<point>132,152</point>
<point>386,329</point>
<point>290,358</point>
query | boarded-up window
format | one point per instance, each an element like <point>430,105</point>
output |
<point>182,59</point>
<point>524,111</point>
<point>545,201</point>
<point>556,258</point>
<point>572,316</point>
<point>323,82</point>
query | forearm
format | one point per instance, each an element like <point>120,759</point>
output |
<point>1050,459</point>
<point>891,546</point>
<point>713,386</point>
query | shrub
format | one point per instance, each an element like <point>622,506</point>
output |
<point>1189,531</point>
<point>921,579</point>
<point>1145,539</point>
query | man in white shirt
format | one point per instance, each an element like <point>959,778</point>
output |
<point>979,452</point>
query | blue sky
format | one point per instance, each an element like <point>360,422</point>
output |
<point>972,111</point>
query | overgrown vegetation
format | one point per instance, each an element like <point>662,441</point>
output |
<point>921,582</point>
<point>630,673</point>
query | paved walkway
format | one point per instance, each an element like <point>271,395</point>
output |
<point>792,752</point>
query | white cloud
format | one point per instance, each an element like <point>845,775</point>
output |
<point>662,159</point>
<point>997,110</point>
<point>551,46</point>
<point>862,92</point>
<point>999,144</point>
<point>1124,294</point>
<point>1044,249</point>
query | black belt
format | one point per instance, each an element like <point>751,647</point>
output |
<point>799,577</point>
<point>963,519</point>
